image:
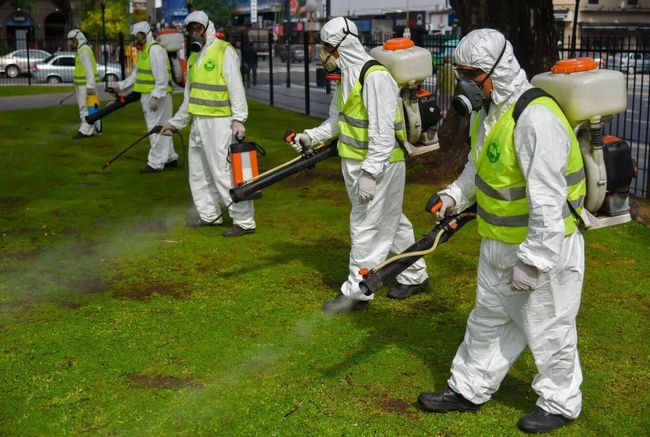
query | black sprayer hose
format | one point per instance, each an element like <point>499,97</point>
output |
<point>243,191</point>
<point>119,103</point>
<point>373,280</point>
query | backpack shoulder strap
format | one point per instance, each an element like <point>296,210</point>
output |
<point>526,98</point>
<point>364,70</point>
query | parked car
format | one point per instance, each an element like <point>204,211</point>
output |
<point>629,62</point>
<point>296,53</point>
<point>59,68</point>
<point>15,63</point>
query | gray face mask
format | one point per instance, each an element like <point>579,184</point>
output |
<point>469,98</point>
<point>196,42</point>
<point>470,94</point>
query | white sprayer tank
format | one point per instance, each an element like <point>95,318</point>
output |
<point>171,40</point>
<point>407,63</point>
<point>583,90</point>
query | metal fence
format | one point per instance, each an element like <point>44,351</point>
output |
<point>290,75</point>
<point>49,62</point>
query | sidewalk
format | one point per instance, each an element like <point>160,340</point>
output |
<point>34,101</point>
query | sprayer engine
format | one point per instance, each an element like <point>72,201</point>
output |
<point>590,97</point>
<point>410,66</point>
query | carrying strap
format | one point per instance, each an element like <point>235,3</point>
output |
<point>362,76</point>
<point>522,102</point>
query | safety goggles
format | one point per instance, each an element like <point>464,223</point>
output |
<point>463,72</point>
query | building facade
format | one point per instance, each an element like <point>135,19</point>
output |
<point>625,22</point>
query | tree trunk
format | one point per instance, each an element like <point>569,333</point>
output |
<point>528,24</point>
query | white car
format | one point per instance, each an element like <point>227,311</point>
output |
<point>15,63</point>
<point>59,68</point>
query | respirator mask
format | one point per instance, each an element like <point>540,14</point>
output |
<point>470,94</point>
<point>327,57</point>
<point>73,43</point>
<point>140,40</point>
<point>194,41</point>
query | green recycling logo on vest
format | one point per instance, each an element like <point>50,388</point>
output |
<point>209,65</point>
<point>493,152</point>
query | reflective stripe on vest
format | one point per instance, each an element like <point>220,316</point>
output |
<point>144,80</point>
<point>79,78</point>
<point>208,91</point>
<point>353,124</point>
<point>500,184</point>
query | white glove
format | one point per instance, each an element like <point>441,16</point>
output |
<point>168,129</point>
<point>299,141</point>
<point>448,205</point>
<point>238,130</point>
<point>524,277</point>
<point>367,185</point>
<point>154,104</point>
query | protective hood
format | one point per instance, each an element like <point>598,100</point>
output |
<point>480,49</point>
<point>142,26</point>
<point>79,36</point>
<point>202,18</point>
<point>197,17</point>
<point>352,55</point>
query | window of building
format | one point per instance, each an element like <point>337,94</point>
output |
<point>632,2</point>
<point>593,2</point>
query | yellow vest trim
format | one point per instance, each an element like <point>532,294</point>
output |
<point>144,80</point>
<point>353,124</point>
<point>207,86</point>
<point>500,184</point>
<point>79,76</point>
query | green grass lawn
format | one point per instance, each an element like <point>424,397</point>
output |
<point>11,91</point>
<point>117,319</point>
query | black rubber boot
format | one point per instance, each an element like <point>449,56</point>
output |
<point>343,304</point>
<point>147,169</point>
<point>402,291</point>
<point>540,421</point>
<point>237,231</point>
<point>446,401</point>
<point>79,136</point>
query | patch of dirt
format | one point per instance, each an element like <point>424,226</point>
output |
<point>151,226</point>
<point>88,284</point>
<point>392,405</point>
<point>640,210</point>
<point>158,381</point>
<point>93,173</point>
<point>69,305</point>
<point>146,291</point>
<point>88,184</point>
<point>7,203</point>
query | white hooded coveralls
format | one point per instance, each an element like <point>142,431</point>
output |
<point>81,92</point>
<point>504,321</point>
<point>161,149</point>
<point>210,138</point>
<point>379,226</point>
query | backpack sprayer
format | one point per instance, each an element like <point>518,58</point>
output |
<point>410,66</point>
<point>376,277</point>
<point>120,102</point>
<point>174,43</point>
<point>590,97</point>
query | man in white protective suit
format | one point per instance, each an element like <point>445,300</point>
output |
<point>527,178</point>
<point>85,80</point>
<point>151,78</point>
<point>215,103</point>
<point>369,125</point>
